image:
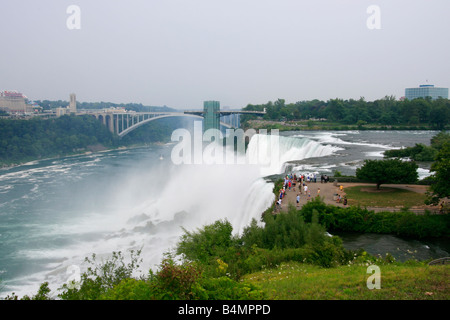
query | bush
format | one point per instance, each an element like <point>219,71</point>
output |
<point>42,294</point>
<point>357,219</point>
<point>182,282</point>
<point>101,277</point>
<point>130,289</point>
<point>173,282</point>
<point>208,243</point>
<point>224,288</point>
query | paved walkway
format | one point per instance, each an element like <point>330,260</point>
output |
<point>325,190</point>
<point>328,190</point>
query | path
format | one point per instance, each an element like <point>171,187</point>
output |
<point>330,189</point>
<point>327,192</point>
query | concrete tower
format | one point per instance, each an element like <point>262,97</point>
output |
<point>211,110</point>
<point>73,103</point>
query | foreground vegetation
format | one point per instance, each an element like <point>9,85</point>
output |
<point>406,281</point>
<point>290,256</point>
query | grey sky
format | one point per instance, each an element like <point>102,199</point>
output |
<point>181,52</point>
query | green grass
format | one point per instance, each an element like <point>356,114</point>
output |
<point>385,197</point>
<point>408,281</point>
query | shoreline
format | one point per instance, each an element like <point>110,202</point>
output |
<point>299,126</point>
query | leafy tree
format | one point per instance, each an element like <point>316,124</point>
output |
<point>419,152</point>
<point>440,188</point>
<point>42,294</point>
<point>440,139</point>
<point>102,277</point>
<point>388,171</point>
<point>207,243</point>
<point>440,113</point>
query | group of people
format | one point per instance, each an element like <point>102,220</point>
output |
<point>301,181</point>
<point>290,183</point>
<point>341,199</point>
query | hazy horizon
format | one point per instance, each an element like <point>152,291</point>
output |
<point>179,53</point>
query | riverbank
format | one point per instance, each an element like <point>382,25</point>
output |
<point>316,125</point>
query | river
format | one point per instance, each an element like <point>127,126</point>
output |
<point>56,212</point>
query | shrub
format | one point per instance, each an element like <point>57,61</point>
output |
<point>224,288</point>
<point>208,243</point>
<point>130,289</point>
<point>286,230</point>
<point>357,219</point>
<point>42,294</point>
<point>101,277</point>
<point>173,282</point>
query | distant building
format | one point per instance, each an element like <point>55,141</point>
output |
<point>211,114</point>
<point>62,111</point>
<point>73,103</point>
<point>71,108</point>
<point>426,90</point>
<point>12,101</point>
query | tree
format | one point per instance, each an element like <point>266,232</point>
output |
<point>440,114</point>
<point>102,277</point>
<point>208,243</point>
<point>441,178</point>
<point>439,140</point>
<point>388,171</point>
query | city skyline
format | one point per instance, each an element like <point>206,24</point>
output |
<point>181,53</point>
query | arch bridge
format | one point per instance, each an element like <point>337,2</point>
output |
<point>122,122</point>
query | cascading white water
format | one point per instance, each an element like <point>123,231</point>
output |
<point>287,149</point>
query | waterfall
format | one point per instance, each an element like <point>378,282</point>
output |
<point>287,149</point>
<point>149,205</point>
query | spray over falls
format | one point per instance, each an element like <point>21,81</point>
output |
<point>130,199</point>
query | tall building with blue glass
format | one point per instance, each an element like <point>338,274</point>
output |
<point>211,115</point>
<point>426,90</point>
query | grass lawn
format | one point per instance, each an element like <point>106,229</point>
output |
<point>297,281</point>
<point>385,197</point>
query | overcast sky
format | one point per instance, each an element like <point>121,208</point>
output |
<point>181,52</point>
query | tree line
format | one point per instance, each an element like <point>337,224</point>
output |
<point>386,111</point>
<point>421,152</point>
<point>138,107</point>
<point>27,140</point>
